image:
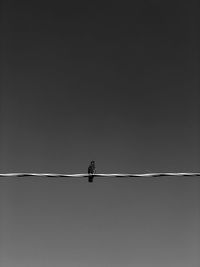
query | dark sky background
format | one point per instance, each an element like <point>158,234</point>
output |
<point>112,81</point>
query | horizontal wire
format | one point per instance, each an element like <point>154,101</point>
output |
<point>120,175</point>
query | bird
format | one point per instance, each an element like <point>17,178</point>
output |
<point>91,171</point>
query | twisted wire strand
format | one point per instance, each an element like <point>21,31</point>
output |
<point>112,175</point>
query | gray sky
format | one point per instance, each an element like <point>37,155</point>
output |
<point>115,82</point>
<point>112,222</point>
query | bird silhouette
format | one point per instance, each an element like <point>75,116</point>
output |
<point>91,171</point>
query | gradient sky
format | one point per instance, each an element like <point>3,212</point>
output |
<point>112,81</point>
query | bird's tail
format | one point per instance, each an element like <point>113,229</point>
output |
<point>90,178</point>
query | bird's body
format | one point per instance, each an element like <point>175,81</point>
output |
<point>91,171</point>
